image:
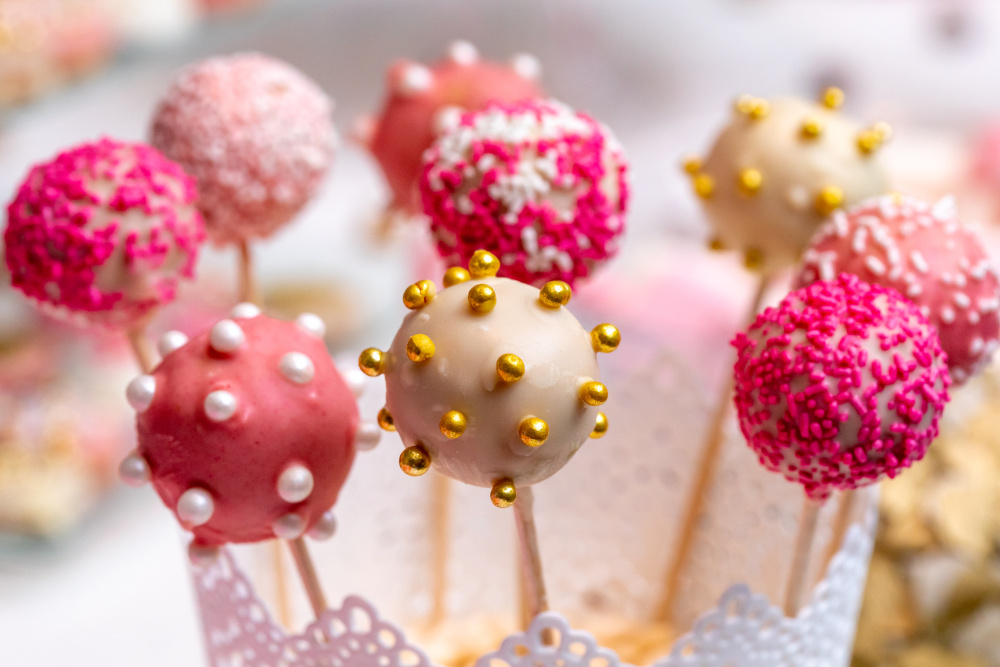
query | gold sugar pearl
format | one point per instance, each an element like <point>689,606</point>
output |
<point>533,431</point>
<point>483,264</point>
<point>691,165</point>
<point>415,461</point>
<point>605,337</point>
<point>452,424</point>
<point>555,293</point>
<point>503,493</point>
<point>372,362</point>
<point>419,294</point>
<point>600,426</point>
<point>744,104</point>
<point>759,109</point>
<point>829,200</point>
<point>753,258</point>
<point>832,98</point>
<point>715,244</point>
<point>482,298</point>
<point>385,420</point>
<point>883,129</point>
<point>811,128</point>
<point>869,141</point>
<point>704,185</point>
<point>749,181</point>
<point>419,348</point>
<point>510,368</point>
<point>455,275</point>
<point>593,393</point>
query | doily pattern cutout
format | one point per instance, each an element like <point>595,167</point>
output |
<point>550,642</point>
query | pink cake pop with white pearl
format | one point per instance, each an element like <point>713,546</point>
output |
<point>255,132</point>
<point>103,233</point>
<point>541,186</point>
<point>247,431</point>
<point>422,99</point>
<point>924,252</point>
<point>842,384</point>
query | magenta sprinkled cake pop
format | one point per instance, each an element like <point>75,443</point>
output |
<point>541,186</point>
<point>247,431</point>
<point>257,135</point>
<point>840,385</point>
<point>103,233</point>
<point>927,254</point>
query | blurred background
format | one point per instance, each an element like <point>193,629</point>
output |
<point>91,574</point>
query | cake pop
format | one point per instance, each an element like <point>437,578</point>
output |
<point>421,99</point>
<point>840,385</point>
<point>925,253</point>
<point>779,168</point>
<point>543,187</point>
<point>256,134</point>
<point>103,233</point>
<point>247,431</point>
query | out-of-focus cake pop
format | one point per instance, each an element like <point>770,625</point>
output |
<point>924,252</point>
<point>492,381</point>
<point>421,99</point>
<point>247,431</point>
<point>779,168</point>
<point>541,186</point>
<point>256,134</point>
<point>103,232</point>
<point>840,385</point>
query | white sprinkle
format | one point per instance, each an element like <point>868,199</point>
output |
<point>973,317</point>
<point>839,222</point>
<point>962,300</point>
<point>133,470</point>
<point>447,119</point>
<point>947,315</point>
<point>977,345</point>
<point>219,405</point>
<point>202,555</point>
<point>414,79</point>
<point>944,208</point>
<point>875,265</point>
<point>140,392</point>
<point>195,507</point>
<point>960,280</point>
<point>914,290</point>
<point>462,53</point>
<point>925,311</point>
<point>367,436</point>
<point>289,527</point>
<point>858,243</point>
<point>226,337</point>
<point>297,368</point>
<point>295,484</point>
<point>325,527</point>
<point>527,66</point>
<point>311,324</point>
<point>244,311</point>
<point>918,261</point>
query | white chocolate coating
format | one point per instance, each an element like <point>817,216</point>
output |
<point>461,375</point>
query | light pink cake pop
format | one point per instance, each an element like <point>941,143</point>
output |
<point>106,231</point>
<point>247,431</point>
<point>256,134</point>
<point>925,253</point>
<point>541,186</point>
<point>421,98</point>
<point>841,384</point>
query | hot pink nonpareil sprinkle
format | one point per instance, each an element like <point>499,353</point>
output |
<point>539,185</point>
<point>842,384</point>
<point>106,231</point>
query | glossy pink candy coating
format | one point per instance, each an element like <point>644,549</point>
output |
<point>539,185</point>
<point>255,132</point>
<point>106,230</point>
<point>928,255</point>
<point>277,423</point>
<point>841,384</point>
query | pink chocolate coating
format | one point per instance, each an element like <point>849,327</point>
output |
<point>539,185</point>
<point>927,254</point>
<point>277,423</point>
<point>256,134</point>
<point>406,126</point>
<point>105,230</point>
<point>841,384</point>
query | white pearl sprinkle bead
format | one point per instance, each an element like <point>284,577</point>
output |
<point>244,311</point>
<point>311,324</point>
<point>170,341</point>
<point>133,470</point>
<point>415,79</point>
<point>140,392</point>
<point>463,53</point>
<point>295,484</point>
<point>297,367</point>
<point>195,507</point>
<point>447,118</point>
<point>220,405</point>
<point>354,378</point>
<point>289,527</point>
<point>526,65</point>
<point>367,436</point>
<point>325,527</point>
<point>202,555</point>
<point>226,336</point>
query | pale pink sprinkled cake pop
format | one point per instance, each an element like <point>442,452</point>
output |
<point>924,252</point>
<point>421,99</point>
<point>255,132</point>
<point>541,186</point>
<point>247,431</point>
<point>842,384</point>
<point>103,233</point>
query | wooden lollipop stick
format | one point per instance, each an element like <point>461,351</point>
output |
<point>795,590</point>
<point>281,587</point>
<point>307,572</point>
<point>704,476</point>
<point>248,282</point>
<point>440,533</point>
<point>840,525</point>
<point>531,562</point>
<point>141,349</point>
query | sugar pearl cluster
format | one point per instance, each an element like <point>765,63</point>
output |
<point>256,134</point>
<point>246,431</point>
<point>103,233</point>
<point>841,384</point>
<point>543,187</point>
<point>924,252</point>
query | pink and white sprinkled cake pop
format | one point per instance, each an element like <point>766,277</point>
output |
<point>255,132</point>
<point>247,431</point>
<point>541,186</point>
<point>103,233</point>
<point>420,99</point>
<point>927,254</point>
<point>841,384</point>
